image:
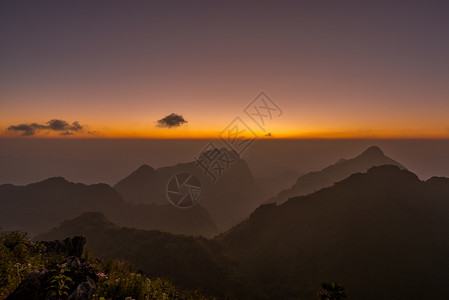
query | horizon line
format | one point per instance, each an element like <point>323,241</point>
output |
<point>217,138</point>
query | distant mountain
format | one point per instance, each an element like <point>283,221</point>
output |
<point>272,185</point>
<point>229,200</point>
<point>37,207</point>
<point>315,181</point>
<point>139,185</point>
<point>383,234</point>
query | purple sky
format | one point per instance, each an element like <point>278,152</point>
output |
<point>337,68</point>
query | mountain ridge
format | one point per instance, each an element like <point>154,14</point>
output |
<point>37,207</point>
<point>230,199</point>
<point>379,233</point>
<point>313,181</point>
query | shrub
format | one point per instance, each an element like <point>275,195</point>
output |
<point>18,256</point>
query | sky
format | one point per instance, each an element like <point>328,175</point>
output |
<point>113,69</point>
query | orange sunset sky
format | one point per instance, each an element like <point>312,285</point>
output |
<point>346,69</point>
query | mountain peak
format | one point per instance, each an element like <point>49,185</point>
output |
<point>231,152</point>
<point>144,167</point>
<point>314,181</point>
<point>93,218</point>
<point>373,151</point>
<point>54,180</point>
<point>143,170</point>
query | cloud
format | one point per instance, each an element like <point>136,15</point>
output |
<point>27,129</point>
<point>66,133</point>
<point>53,125</point>
<point>172,120</point>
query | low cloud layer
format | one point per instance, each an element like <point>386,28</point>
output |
<point>172,120</point>
<point>61,126</point>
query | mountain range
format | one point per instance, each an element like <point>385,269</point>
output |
<point>314,181</point>
<point>140,199</point>
<point>229,199</point>
<point>37,207</point>
<point>382,234</point>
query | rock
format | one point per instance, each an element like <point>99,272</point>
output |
<point>84,290</point>
<point>67,247</point>
<point>73,262</point>
<point>78,270</point>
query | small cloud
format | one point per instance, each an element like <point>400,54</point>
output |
<point>53,125</point>
<point>66,133</point>
<point>61,125</point>
<point>172,120</point>
<point>26,129</point>
<point>268,134</point>
<point>76,126</point>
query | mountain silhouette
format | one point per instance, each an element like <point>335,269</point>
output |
<point>315,181</point>
<point>37,207</point>
<point>272,185</point>
<point>382,234</point>
<point>95,221</point>
<point>137,187</point>
<point>186,259</point>
<point>229,200</point>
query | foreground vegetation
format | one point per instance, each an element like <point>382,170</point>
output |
<point>18,257</point>
<point>117,279</point>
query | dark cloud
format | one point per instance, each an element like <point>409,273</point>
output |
<point>76,126</point>
<point>26,129</point>
<point>172,120</point>
<point>66,133</point>
<point>61,125</point>
<point>52,125</point>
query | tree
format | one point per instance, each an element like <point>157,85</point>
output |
<point>332,291</point>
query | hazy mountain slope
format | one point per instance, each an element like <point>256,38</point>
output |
<point>271,186</point>
<point>229,200</point>
<point>186,260</point>
<point>315,181</point>
<point>37,207</point>
<point>139,185</point>
<point>383,234</point>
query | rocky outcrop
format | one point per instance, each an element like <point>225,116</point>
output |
<point>67,247</point>
<point>83,276</point>
<point>84,290</point>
